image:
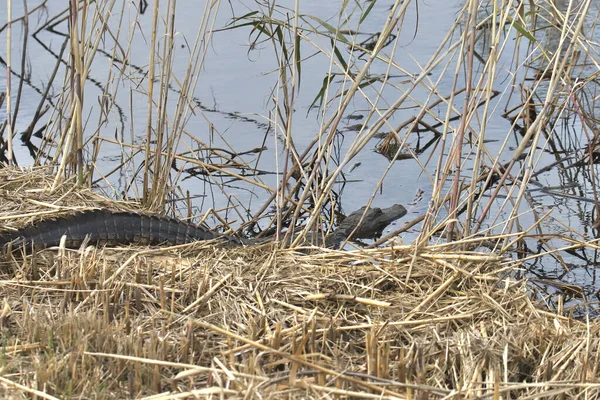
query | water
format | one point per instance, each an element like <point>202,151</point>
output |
<point>237,87</point>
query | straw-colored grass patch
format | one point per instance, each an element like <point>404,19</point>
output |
<point>258,322</point>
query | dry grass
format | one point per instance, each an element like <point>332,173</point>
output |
<point>260,322</point>
<point>205,321</point>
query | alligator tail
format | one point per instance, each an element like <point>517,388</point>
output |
<point>106,227</point>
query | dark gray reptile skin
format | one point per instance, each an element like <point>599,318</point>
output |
<point>107,227</point>
<point>119,227</point>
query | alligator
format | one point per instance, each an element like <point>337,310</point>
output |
<point>107,227</point>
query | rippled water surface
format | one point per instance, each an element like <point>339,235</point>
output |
<point>234,97</point>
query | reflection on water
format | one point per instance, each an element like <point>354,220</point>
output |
<point>232,136</point>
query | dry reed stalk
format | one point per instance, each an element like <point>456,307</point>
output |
<point>406,321</point>
<point>9,126</point>
<point>257,321</point>
<point>151,78</point>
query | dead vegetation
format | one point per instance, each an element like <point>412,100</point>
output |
<point>418,321</point>
<point>260,322</point>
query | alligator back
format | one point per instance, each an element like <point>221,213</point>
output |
<point>106,227</point>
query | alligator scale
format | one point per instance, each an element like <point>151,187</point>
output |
<point>107,227</point>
